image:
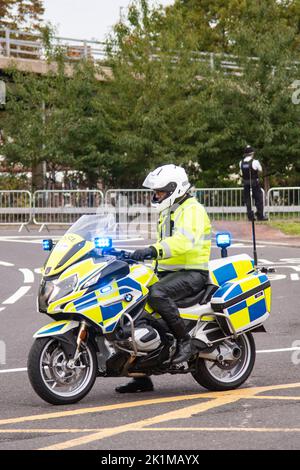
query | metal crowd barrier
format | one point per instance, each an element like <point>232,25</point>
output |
<point>284,202</point>
<point>15,208</point>
<point>64,207</point>
<point>133,212</point>
<point>222,203</point>
<point>131,209</point>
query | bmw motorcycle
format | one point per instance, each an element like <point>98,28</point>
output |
<point>103,327</point>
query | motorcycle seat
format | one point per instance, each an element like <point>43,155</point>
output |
<point>201,297</point>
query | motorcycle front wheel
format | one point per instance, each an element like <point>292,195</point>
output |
<point>228,375</point>
<point>54,378</point>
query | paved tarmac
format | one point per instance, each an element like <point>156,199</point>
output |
<point>178,414</point>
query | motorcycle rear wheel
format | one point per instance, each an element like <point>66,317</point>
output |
<point>53,380</point>
<point>230,375</point>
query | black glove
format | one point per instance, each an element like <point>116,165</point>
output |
<point>144,253</point>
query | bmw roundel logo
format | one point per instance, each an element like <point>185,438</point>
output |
<point>128,297</point>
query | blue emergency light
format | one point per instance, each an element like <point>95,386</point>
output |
<point>102,242</point>
<point>47,244</point>
<point>223,241</point>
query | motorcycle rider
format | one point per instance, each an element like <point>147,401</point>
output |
<point>182,253</point>
<point>250,169</point>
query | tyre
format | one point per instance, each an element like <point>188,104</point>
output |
<point>227,375</point>
<point>54,378</point>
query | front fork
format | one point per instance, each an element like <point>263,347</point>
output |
<point>81,338</point>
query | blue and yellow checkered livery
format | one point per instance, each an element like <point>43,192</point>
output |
<point>247,302</point>
<point>103,305</point>
<point>233,267</point>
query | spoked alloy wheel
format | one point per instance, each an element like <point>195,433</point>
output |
<point>55,378</point>
<point>227,375</point>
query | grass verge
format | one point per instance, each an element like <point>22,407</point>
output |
<point>287,227</point>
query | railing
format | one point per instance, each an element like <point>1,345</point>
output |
<point>223,203</point>
<point>26,45</point>
<point>284,202</point>
<point>131,209</point>
<point>64,207</point>
<point>15,208</point>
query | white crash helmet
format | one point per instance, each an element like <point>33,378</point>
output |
<point>171,179</point>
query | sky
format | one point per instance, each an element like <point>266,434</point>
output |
<point>86,19</point>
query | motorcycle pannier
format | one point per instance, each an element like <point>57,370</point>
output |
<point>245,302</point>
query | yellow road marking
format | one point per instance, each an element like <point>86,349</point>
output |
<point>275,397</point>
<point>99,409</point>
<point>248,392</point>
<point>45,431</point>
<point>183,413</point>
<point>224,429</point>
<point>181,429</point>
<point>219,399</point>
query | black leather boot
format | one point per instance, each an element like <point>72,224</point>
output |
<point>184,350</point>
<point>138,384</point>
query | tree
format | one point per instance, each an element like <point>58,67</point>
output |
<point>254,106</point>
<point>21,13</point>
<point>270,119</point>
<point>61,121</point>
<point>152,93</point>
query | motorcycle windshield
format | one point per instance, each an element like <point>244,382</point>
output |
<point>78,241</point>
<point>89,227</point>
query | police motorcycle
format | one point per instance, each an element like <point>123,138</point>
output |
<point>102,325</point>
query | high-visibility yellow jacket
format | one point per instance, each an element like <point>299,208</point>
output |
<point>184,237</point>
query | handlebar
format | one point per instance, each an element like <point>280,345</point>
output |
<point>119,254</point>
<point>122,255</point>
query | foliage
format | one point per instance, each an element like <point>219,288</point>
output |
<point>21,13</point>
<point>166,103</point>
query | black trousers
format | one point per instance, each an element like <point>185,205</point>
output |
<point>174,286</point>
<point>258,198</point>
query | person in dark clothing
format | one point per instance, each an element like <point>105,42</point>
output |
<point>250,169</point>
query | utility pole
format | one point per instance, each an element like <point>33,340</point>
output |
<point>2,93</point>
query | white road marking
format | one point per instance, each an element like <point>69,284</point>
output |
<point>295,277</point>
<point>2,308</point>
<point>290,260</point>
<point>276,277</point>
<point>38,270</point>
<point>277,350</point>
<point>4,263</point>
<point>28,275</point>
<point>265,261</point>
<point>8,371</point>
<point>17,295</point>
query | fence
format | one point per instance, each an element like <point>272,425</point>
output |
<point>64,207</point>
<point>284,202</point>
<point>133,211</point>
<point>222,203</point>
<point>15,208</point>
<point>132,208</point>
<point>26,45</point>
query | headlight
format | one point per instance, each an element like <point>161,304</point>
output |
<point>63,288</point>
<point>46,290</point>
<point>91,281</point>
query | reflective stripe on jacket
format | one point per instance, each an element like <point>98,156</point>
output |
<point>184,237</point>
